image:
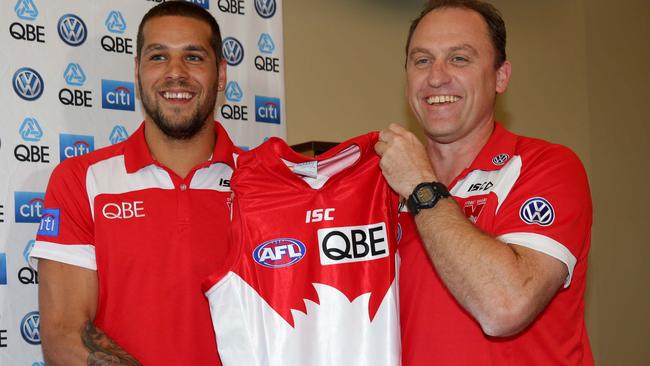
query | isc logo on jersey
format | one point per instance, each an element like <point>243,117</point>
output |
<point>278,253</point>
<point>350,244</point>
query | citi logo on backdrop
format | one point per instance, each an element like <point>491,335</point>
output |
<point>75,145</point>
<point>118,95</point>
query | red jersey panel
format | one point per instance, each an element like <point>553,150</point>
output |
<point>150,235</point>
<point>522,191</point>
<point>314,282</point>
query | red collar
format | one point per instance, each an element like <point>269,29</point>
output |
<point>138,156</point>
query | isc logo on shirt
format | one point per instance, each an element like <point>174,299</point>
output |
<point>352,243</point>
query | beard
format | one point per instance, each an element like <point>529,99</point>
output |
<point>172,126</point>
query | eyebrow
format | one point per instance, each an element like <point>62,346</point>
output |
<point>162,47</point>
<point>462,47</point>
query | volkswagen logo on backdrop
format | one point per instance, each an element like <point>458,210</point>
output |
<point>26,10</point>
<point>265,8</point>
<point>232,51</point>
<point>30,328</point>
<point>538,211</point>
<point>72,30</point>
<point>28,83</point>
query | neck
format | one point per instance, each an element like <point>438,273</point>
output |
<point>449,159</point>
<point>180,156</point>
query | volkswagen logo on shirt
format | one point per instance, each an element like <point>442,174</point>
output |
<point>28,84</point>
<point>72,30</point>
<point>265,8</point>
<point>500,159</point>
<point>30,328</point>
<point>115,22</point>
<point>232,51</point>
<point>537,210</point>
<point>26,10</point>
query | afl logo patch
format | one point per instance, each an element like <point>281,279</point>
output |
<point>279,253</point>
<point>538,211</point>
<point>500,159</point>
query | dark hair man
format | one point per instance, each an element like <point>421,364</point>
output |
<point>136,222</point>
<point>499,278</point>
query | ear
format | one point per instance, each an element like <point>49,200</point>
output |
<point>503,76</point>
<point>222,70</point>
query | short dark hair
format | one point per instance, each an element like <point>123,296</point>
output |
<point>490,14</point>
<point>182,9</point>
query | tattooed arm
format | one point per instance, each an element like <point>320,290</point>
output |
<point>68,301</point>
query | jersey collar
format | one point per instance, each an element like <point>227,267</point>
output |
<point>497,151</point>
<point>138,156</point>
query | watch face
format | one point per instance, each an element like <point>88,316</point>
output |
<point>424,194</point>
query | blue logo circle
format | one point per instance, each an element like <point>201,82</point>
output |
<point>28,83</point>
<point>279,253</point>
<point>30,328</point>
<point>500,159</point>
<point>265,8</point>
<point>72,30</point>
<point>232,51</point>
<point>537,210</point>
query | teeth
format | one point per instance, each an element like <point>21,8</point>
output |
<point>179,95</point>
<point>442,99</point>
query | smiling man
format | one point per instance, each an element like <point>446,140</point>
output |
<point>140,224</point>
<point>494,255</point>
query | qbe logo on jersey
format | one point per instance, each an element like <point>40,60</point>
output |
<point>267,109</point>
<point>118,95</point>
<point>75,145</point>
<point>351,244</point>
<point>28,206</point>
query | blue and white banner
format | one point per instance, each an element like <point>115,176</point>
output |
<point>67,88</point>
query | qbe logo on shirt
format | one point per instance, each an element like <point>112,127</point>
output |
<point>267,109</point>
<point>75,145</point>
<point>118,95</point>
<point>351,244</point>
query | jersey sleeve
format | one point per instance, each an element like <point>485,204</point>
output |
<point>549,207</point>
<point>65,233</point>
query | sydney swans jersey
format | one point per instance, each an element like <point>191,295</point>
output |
<point>313,279</point>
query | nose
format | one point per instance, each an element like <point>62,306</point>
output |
<point>176,68</point>
<point>438,74</point>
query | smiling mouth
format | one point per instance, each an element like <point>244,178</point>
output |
<point>442,99</point>
<point>177,96</point>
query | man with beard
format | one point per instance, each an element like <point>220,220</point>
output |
<point>137,226</point>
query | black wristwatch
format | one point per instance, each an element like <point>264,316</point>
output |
<point>426,195</point>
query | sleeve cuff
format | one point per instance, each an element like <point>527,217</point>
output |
<point>545,245</point>
<point>81,255</point>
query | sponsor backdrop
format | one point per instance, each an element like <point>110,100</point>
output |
<point>67,88</point>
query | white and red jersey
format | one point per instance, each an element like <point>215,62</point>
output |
<point>152,237</point>
<point>313,276</point>
<point>523,191</point>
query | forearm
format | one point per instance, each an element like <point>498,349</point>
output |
<point>490,279</point>
<point>87,346</point>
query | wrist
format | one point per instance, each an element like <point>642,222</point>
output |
<point>426,195</point>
